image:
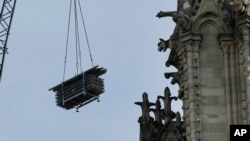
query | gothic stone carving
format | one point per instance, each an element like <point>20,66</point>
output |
<point>175,75</point>
<point>152,129</point>
<point>181,18</point>
<point>145,106</point>
<point>241,6</point>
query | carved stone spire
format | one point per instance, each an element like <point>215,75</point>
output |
<point>158,112</point>
<point>145,106</point>
<point>152,129</point>
<point>168,113</point>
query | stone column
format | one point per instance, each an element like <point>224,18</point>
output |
<point>245,31</point>
<point>234,97</point>
<point>192,90</point>
<point>225,49</point>
<point>184,84</point>
<point>197,93</point>
<point>241,79</point>
<point>238,79</point>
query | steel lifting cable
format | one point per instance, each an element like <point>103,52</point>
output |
<point>86,35</point>
<point>77,37</point>
<point>67,42</point>
<point>66,51</point>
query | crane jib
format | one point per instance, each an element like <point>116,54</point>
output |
<point>6,17</point>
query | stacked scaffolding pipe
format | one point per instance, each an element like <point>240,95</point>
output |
<point>81,89</point>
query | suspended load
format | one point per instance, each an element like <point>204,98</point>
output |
<point>84,87</point>
<point>81,89</point>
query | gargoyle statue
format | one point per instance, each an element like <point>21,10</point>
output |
<point>163,45</point>
<point>241,6</point>
<point>180,17</point>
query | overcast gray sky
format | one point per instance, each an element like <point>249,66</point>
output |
<point>123,37</point>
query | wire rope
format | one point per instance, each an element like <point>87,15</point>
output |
<point>77,7</point>
<point>78,45</point>
<point>86,35</point>
<point>76,35</point>
<point>67,42</point>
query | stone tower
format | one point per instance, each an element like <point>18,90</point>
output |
<point>210,48</point>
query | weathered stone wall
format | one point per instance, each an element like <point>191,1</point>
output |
<point>212,86</point>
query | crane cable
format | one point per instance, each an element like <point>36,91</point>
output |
<point>77,37</point>
<point>67,42</point>
<point>77,40</point>
<point>86,35</point>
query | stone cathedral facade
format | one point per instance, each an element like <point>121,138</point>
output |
<point>210,48</point>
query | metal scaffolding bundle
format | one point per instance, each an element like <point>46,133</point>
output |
<point>81,89</point>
